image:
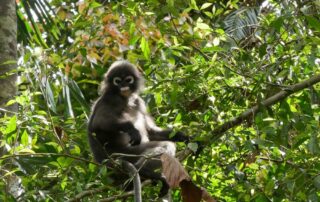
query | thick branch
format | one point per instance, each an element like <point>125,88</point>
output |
<point>31,155</point>
<point>218,132</point>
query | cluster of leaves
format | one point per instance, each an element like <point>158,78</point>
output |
<point>204,63</point>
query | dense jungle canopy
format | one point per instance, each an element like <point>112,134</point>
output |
<point>239,77</point>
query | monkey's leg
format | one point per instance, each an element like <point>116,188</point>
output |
<point>148,173</point>
<point>152,147</point>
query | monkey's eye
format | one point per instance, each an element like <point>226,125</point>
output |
<point>129,79</point>
<point>116,81</point>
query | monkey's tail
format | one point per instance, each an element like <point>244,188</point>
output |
<point>136,179</point>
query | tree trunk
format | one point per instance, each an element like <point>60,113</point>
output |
<point>8,77</point>
<point>8,54</point>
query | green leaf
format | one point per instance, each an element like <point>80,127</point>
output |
<point>170,3</point>
<point>178,118</point>
<point>314,23</point>
<point>132,29</point>
<point>94,4</point>
<point>145,48</point>
<point>193,5</point>
<point>278,23</point>
<point>50,97</point>
<point>261,198</point>
<point>313,145</point>
<point>25,138</point>
<point>158,98</point>
<point>75,150</point>
<point>204,26</point>
<point>67,100</point>
<point>64,183</point>
<point>12,125</point>
<point>78,95</point>
<point>205,5</point>
<point>316,182</point>
<point>64,162</point>
<point>269,187</point>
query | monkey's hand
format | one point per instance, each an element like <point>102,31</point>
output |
<point>180,137</point>
<point>135,137</point>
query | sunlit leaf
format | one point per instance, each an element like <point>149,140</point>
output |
<point>145,48</point>
<point>25,138</point>
<point>205,5</point>
<point>193,4</point>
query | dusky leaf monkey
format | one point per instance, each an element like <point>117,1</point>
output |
<point>119,123</point>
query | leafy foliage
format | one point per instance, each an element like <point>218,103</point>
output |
<point>204,62</point>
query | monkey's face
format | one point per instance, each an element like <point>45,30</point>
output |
<point>125,84</point>
<point>123,78</point>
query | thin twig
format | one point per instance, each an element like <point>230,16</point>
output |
<point>8,111</point>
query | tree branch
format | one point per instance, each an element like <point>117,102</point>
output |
<point>47,155</point>
<point>218,132</point>
<point>83,194</point>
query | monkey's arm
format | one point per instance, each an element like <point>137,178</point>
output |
<point>129,129</point>
<point>121,134</point>
<point>158,134</point>
<point>112,130</point>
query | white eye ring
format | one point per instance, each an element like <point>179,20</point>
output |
<point>129,79</point>
<point>116,81</point>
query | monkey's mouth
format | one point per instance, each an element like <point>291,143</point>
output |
<point>125,91</point>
